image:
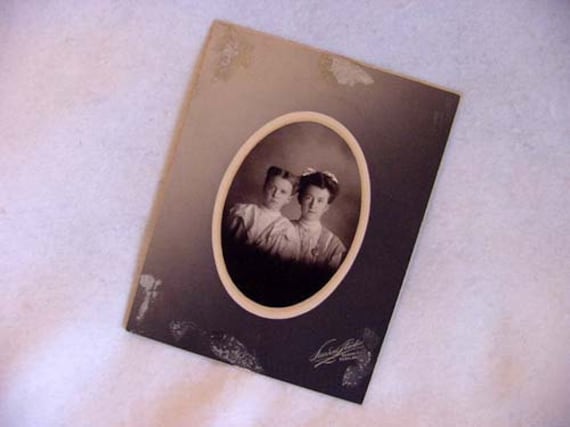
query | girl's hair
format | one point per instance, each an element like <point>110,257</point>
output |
<point>275,171</point>
<point>325,180</point>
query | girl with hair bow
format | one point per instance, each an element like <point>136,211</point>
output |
<point>318,246</point>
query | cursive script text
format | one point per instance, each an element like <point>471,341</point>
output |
<point>328,353</point>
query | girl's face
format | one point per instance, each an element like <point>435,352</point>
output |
<point>277,193</point>
<point>314,203</point>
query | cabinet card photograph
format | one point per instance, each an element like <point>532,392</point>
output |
<point>289,213</point>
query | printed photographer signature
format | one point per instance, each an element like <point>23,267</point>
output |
<point>329,352</point>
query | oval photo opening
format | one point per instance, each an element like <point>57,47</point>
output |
<point>290,215</point>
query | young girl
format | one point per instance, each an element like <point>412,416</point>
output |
<point>264,227</point>
<point>318,246</point>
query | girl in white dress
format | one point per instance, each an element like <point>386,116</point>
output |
<point>264,227</point>
<point>318,246</point>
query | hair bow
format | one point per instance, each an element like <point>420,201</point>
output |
<point>331,176</point>
<point>308,171</point>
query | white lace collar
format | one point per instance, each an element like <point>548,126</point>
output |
<point>310,227</point>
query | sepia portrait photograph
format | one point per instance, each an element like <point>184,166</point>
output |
<point>297,187</point>
<point>291,213</point>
